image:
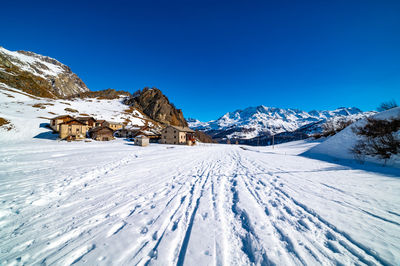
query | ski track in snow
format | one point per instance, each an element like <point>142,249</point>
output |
<point>207,205</point>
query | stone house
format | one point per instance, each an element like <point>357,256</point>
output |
<point>177,135</point>
<point>102,133</point>
<point>73,129</point>
<point>113,125</point>
<point>141,141</point>
<point>56,121</point>
<point>100,123</point>
<point>88,120</point>
<point>125,133</point>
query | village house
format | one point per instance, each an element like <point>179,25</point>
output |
<point>56,121</point>
<point>141,141</point>
<point>100,123</point>
<point>151,134</point>
<point>127,132</point>
<point>133,131</point>
<point>177,135</point>
<point>88,120</point>
<point>72,130</point>
<point>102,133</point>
<point>113,125</point>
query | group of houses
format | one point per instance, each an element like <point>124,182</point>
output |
<point>75,128</point>
<point>78,128</point>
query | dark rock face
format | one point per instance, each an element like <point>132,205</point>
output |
<point>156,105</point>
<point>38,75</point>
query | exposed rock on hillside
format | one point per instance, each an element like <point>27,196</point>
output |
<point>203,137</point>
<point>38,75</point>
<point>103,94</point>
<point>156,105</point>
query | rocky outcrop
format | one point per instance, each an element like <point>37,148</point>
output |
<point>156,105</point>
<point>38,75</point>
<point>108,94</point>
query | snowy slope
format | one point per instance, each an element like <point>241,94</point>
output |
<point>112,203</point>
<point>339,145</point>
<point>39,74</point>
<point>28,118</point>
<point>258,121</point>
<point>36,64</point>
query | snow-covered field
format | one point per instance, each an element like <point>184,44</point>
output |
<point>103,203</point>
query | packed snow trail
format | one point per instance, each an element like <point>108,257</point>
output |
<point>114,203</point>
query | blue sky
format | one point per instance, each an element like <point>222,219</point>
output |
<point>211,57</point>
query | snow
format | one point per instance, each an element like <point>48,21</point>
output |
<point>102,203</point>
<point>29,121</point>
<point>31,63</point>
<point>261,120</point>
<point>340,145</point>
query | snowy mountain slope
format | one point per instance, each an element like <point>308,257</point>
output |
<point>340,145</point>
<point>39,75</point>
<point>266,121</point>
<point>109,203</point>
<point>28,114</point>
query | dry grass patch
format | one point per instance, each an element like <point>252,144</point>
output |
<point>127,121</point>
<point>71,110</point>
<point>129,110</point>
<point>41,105</point>
<point>6,124</point>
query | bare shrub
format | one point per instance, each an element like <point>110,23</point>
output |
<point>331,128</point>
<point>387,105</point>
<point>379,138</point>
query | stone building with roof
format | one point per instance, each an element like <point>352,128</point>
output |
<point>56,121</point>
<point>73,130</point>
<point>177,135</point>
<point>102,133</point>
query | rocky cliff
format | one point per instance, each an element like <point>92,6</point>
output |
<point>38,75</point>
<point>156,105</point>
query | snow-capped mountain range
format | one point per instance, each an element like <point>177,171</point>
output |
<point>267,121</point>
<point>38,75</point>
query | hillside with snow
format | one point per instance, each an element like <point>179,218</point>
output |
<point>38,75</point>
<point>264,121</point>
<point>28,115</point>
<point>340,145</point>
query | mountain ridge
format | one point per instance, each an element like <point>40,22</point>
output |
<point>262,121</point>
<point>38,75</point>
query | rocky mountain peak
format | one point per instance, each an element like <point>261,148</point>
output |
<point>156,105</point>
<point>38,75</point>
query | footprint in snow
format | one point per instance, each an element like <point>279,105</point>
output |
<point>144,230</point>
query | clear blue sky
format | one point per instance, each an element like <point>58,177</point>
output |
<point>211,57</point>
